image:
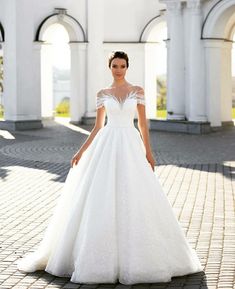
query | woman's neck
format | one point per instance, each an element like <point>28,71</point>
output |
<point>118,83</point>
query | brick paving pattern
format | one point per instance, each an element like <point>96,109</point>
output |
<point>196,171</point>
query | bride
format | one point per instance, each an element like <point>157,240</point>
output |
<point>113,222</point>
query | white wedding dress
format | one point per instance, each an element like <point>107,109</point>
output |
<point>113,222</point>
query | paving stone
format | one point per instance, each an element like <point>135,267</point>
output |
<point>89,286</point>
<point>75,286</point>
<point>122,286</point>
<point>196,172</point>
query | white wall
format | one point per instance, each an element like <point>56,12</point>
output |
<point>125,19</point>
<point>120,21</point>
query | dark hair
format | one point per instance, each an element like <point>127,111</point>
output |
<point>118,54</point>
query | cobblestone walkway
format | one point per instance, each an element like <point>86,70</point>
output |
<point>197,173</point>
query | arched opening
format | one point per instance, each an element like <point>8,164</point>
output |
<point>218,35</point>
<point>1,73</point>
<point>155,35</point>
<point>55,61</point>
<point>1,83</point>
<point>63,41</point>
<point>159,34</point>
<point>233,79</point>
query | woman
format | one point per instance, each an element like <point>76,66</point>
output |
<point>113,221</point>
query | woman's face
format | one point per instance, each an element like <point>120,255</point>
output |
<point>118,68</point>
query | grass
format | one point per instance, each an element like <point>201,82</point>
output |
<point>62,115</point>
<point>161,113</point>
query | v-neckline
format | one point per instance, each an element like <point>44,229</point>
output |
<point>121,103</point>
<point>117,98</point>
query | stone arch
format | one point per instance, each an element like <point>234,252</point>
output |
<point>217,33</point>
<point>152,23</point>
<point>73,27</point>
<point>78,47</point>
<point>2,34</point>
<point>151,36</point>
<point>219,22</point>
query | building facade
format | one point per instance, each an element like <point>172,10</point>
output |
<point>199,48</point>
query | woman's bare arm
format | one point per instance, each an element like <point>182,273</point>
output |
<point>99,123</point>
<point>144,131</point>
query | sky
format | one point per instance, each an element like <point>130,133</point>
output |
<point>58,36</point>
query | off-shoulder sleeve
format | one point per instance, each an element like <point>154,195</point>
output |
<point>99,99</point>
<point>140,95</point>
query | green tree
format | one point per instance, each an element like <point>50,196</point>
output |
<point>161,92</point>
<point>63,108</point>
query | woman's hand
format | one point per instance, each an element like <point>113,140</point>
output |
<point>76,158</point>
<point>151,160</point>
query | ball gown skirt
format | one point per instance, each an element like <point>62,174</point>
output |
<point>113,222</point>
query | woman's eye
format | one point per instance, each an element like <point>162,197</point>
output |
<point>115,66</point>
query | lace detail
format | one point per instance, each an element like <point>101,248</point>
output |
<point>100,97</point>
<point>137,93</point>
<point>140,96</point>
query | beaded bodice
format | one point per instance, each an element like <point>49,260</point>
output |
<point>120,108</point>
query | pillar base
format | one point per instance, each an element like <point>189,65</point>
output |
<point>228,123</point>
<point>197,119</point>
<point>175,116</point>
<point>87,120</point>
<point>91,121</point>
<point>224,125</point>
<point>184,126</point>
<point>15,125</point>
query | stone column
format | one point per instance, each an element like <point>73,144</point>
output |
<point>21,96</point>
<point>226,85</point>
<point>195,69</point>
<point>1,54</point>
<point>47,100</point>
<point>37,47</point>
<point>95,55</point>
<point>175,61</point>
<point>213,49</point>
<point>150,53</point>
<point>10,85</point>
<point>78,81</point>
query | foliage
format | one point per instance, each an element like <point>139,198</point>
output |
<point>161,113</point>
<point>63,108</point>
<point>1,111</point>
<point>161,92</point>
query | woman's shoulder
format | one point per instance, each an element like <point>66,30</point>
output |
<point>135,88</point>
<point>102,91</point>
<point>138,88</point>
